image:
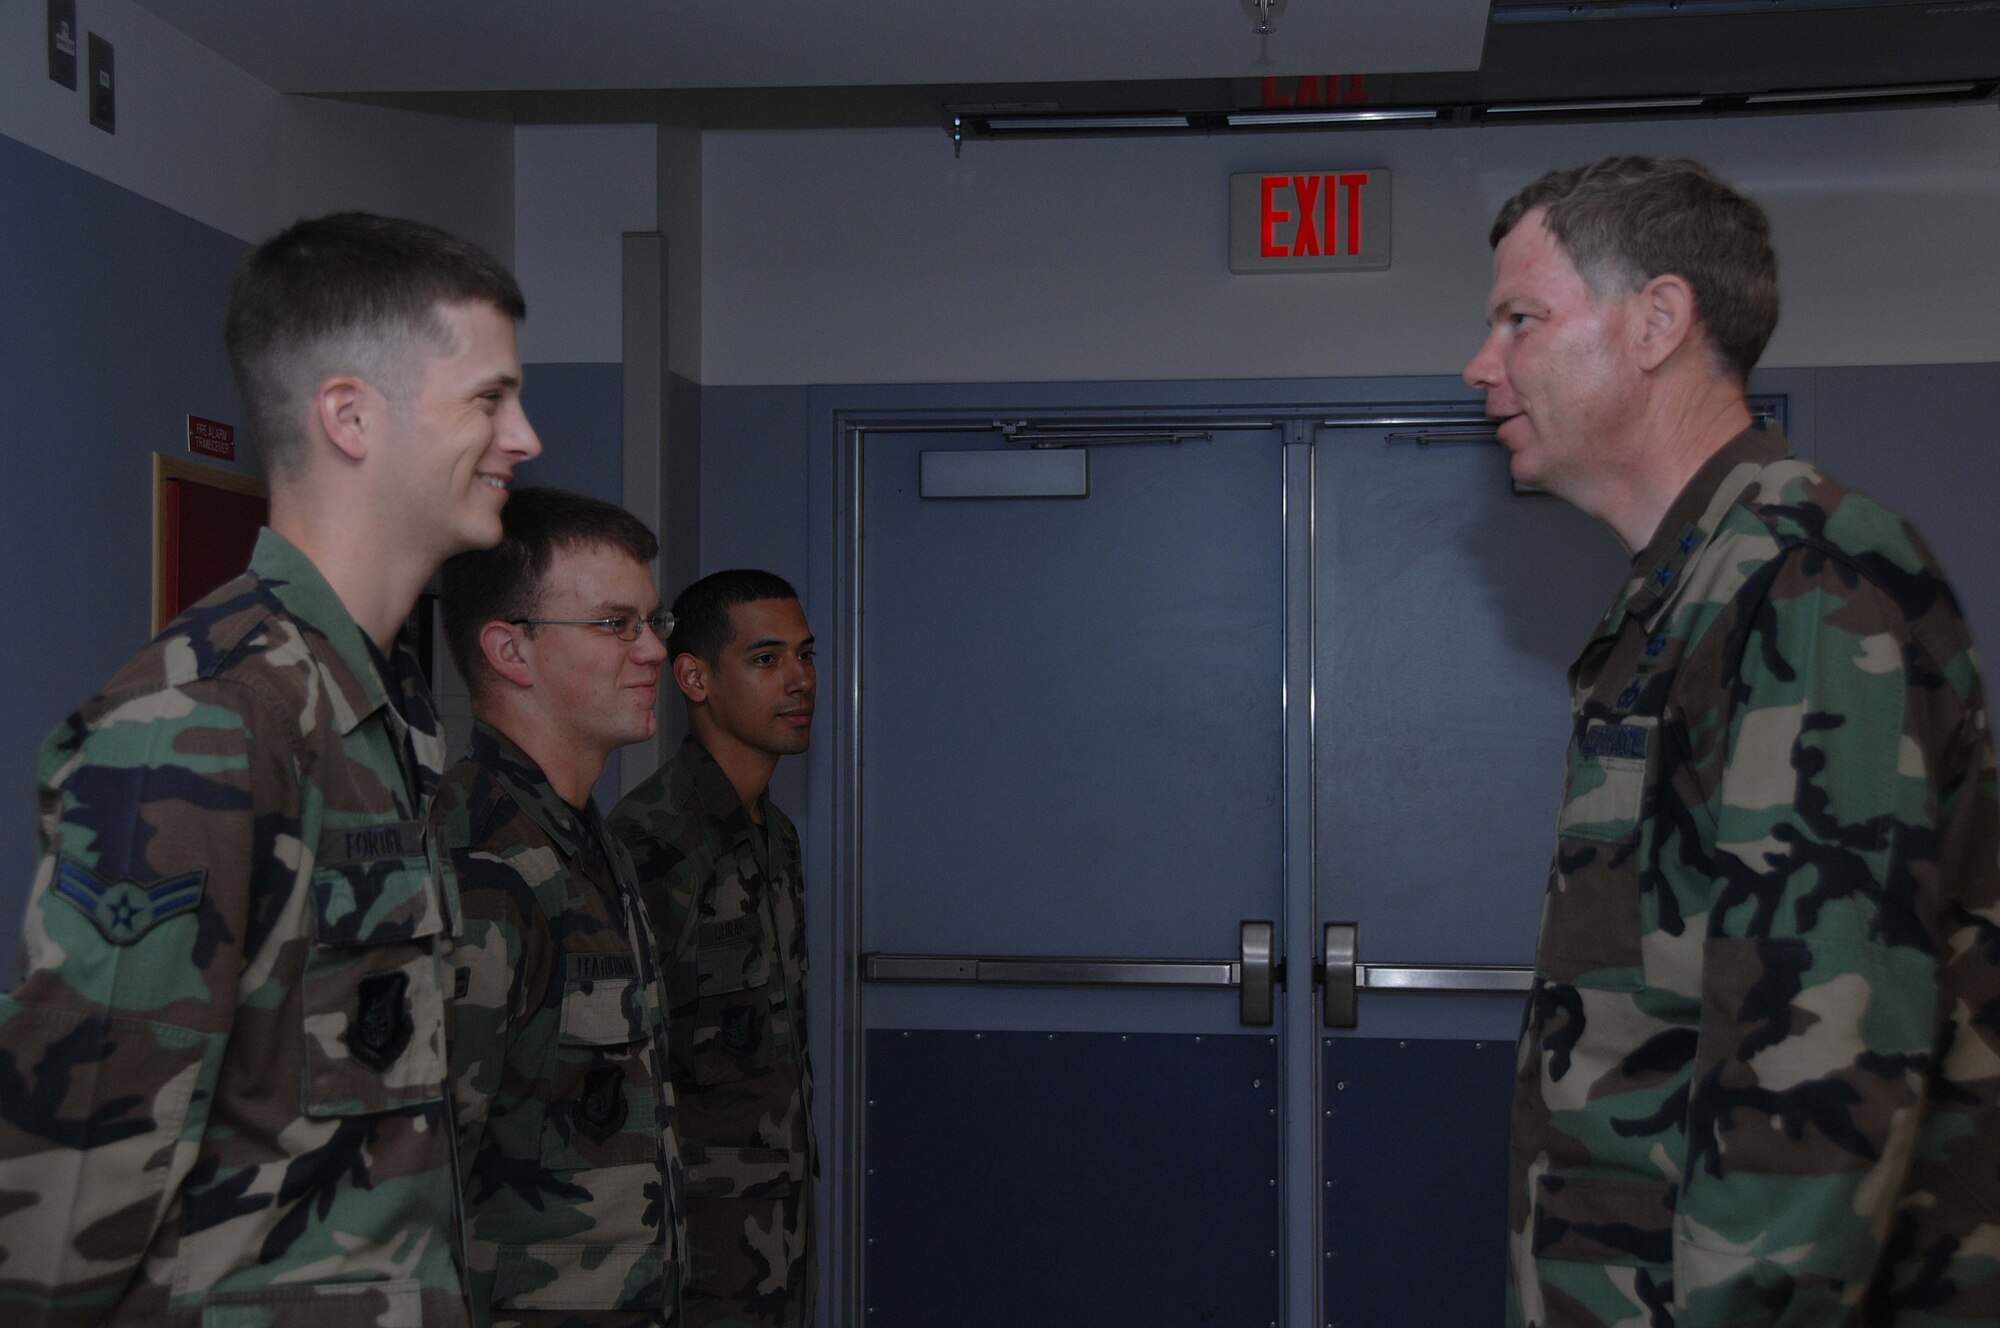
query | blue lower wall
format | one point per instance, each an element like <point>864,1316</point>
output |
<point>110,334</point>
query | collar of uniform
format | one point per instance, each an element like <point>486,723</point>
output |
<point>716,794</point>
<point>571,828</point>
<point>335,639</point>
<point>1693,516</point>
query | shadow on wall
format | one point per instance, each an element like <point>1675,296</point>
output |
<point>1451,609</point>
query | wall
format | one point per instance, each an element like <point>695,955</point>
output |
<point>878,256</point>
<point>200,136</point>
<point>116,252</point>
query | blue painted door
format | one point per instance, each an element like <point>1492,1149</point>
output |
<point>1071,742</point>
<point>1448,607</point>
<point>1289,672</point>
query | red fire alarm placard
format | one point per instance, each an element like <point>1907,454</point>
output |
<point>211,438</point>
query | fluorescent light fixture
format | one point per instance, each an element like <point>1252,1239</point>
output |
<point>1257,119</point>
<point>999,124</point>
<point>1565,107</point>
<point>1857,94</point>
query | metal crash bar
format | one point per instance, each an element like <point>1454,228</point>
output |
<point>1345,976</point>
<point>1254,971</point>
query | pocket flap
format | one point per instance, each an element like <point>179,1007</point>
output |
<point>580,1277</point>
<point>398,1304</point>
<point>721,969</point>
<point>1604,1219</point>
<point>730,1173</point>
<point>605,1013</point>
<point>1606,793</point>
<point>385,901</point>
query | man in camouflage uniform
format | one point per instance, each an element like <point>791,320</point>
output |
<point>559,1043</point>
<point>1760,1066</point>
<point>222,1081</point>
<point>719,869</point>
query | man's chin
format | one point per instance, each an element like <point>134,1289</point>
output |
<point>1526,474</point>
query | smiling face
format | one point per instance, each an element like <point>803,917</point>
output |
<point>596,693</point>
<point>754,702</point>
<point>455,440</point>
<point>1558,365</point>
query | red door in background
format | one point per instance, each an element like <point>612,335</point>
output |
<point>205,523</point>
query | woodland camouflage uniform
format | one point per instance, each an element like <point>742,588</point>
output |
<point>1759,1074</point>
<point>222,1082</point>
<point>726,900</point>
<point>559,1057</point>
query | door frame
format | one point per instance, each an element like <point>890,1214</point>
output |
<point>1298,423</point>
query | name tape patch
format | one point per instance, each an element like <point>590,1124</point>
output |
<point>340,845</point>
<point>725,933</point>
<point>1616,740</point>
<point>602,967</point>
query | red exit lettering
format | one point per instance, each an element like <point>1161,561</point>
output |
<point>1312,90</point>
<point>1319,203</point>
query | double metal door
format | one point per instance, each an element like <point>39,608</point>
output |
<point>1203,770</point>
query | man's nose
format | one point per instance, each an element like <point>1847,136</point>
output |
<point>1483,369</point>
<point>521,439</point>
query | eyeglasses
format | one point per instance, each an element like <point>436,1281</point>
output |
<point>622,627</point>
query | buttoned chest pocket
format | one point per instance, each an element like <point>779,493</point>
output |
<point>1591,917</point>
<point>728,1037</point>
<point>605,1095</point>
<point>372,995</point>
<point>1605,795</point>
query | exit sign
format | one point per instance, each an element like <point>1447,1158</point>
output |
<point>1309,221</point>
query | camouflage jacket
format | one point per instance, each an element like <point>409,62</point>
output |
<point>558,1052</point>
<point>222,1086</point>
<point>732,939</point>
<point>1759,1072</point>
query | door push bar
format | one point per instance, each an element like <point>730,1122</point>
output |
<point>1256,972</point>
<point>1344,976</point>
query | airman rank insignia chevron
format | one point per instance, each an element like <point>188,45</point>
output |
<point>126,909</point>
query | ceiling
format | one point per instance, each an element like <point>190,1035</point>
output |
<point>768,63</point>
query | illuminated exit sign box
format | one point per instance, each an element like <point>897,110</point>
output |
<point>1309,221</point>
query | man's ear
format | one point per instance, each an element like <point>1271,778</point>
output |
<point>691,676</point>
<point>502,646</point>
<point>346,408</point>
<point>1667,314</point>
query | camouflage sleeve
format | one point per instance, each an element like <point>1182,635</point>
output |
<point>504,969</point>
<point>1820,979</point>
<point>143,908</point>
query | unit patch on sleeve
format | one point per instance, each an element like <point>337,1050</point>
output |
<point>126,909</point>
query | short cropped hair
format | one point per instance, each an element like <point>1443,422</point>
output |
<point>1625,220</point>
<point>348,293</point>
<point>505,582</point>
<point>701,612</point>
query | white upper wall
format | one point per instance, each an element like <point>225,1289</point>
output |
<point>577,189</point>
<point>876,256</point>
<point>200,136</point>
